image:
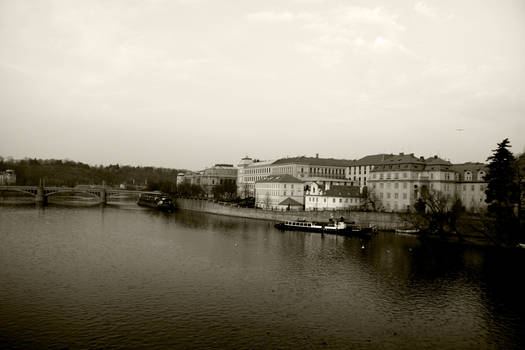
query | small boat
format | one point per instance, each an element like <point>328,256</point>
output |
<point>407,231</point>
<point>156,200</point>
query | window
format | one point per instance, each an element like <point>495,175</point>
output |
<point>405,185</point>
<point>333,200</point>
<point>396,185</point>
<point>340,200</point>
<point>404,196</point>
<point>388,195</point>
<point>396,195</point>
<point>381,185</point>
<point>404,175</point>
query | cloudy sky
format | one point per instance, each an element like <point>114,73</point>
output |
<point>190,83</point>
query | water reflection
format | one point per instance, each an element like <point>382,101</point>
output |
<point>122,276</point>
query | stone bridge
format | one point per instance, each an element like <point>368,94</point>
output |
<point>41,193</point>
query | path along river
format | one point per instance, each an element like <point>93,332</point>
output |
<point>125,277</point>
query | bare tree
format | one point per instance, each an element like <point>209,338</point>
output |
<point>267,200</point>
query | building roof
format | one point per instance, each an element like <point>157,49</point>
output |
<point>291,202</point>
<point>410,162</point>
<point>314,161</point>
<point>373,159</point>
<point>285,178</point>
<point>343,191</point>
<point>474,169</point>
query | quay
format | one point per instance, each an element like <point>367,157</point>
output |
<point>381,220</point>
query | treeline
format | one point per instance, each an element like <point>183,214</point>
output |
<point>69,173</point>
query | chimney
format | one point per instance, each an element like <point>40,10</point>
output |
<point>401,154</point>
<point>317,155</point>
<point>421,158</point>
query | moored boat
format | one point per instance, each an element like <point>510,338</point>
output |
<point>407,231</point>
<point>332,226</point>
<point>156,200</point>
<point>311,226</point>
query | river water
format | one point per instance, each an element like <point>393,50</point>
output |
<point>125,277</point>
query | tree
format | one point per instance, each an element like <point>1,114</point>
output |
<point>503,195</point>
<point>267,201</point>
<point>436,213</point>
<point>369,200</point>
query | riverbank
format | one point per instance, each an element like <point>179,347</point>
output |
<point>383,221</point>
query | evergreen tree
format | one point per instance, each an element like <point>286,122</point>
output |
<point>502,194</point>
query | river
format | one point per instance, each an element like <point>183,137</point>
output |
<point>123,277</point>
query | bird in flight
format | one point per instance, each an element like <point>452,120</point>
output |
<point>460,129</point>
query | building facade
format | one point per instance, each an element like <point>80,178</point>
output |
<point>314,169</point>
<point>471,185</point>
<point>359,170</point>
<point>249,171</point>
<point>318,197</point>
<point>398,182</point>
<point>279,192</point>
<point>7,177</point>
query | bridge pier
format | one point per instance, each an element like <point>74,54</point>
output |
<point>103,199</point>
<point>40,195</point>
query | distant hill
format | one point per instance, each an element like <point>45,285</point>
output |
<point>69,173</point>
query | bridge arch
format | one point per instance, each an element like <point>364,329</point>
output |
<point>92,193</point>
<point>28,190</point>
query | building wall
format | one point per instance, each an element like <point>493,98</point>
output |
<point>250,171</point>
<point>268,195</point>
<point>398,190</point>
<point>319,202</point>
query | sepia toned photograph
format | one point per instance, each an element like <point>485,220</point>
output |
<point>291,174</point>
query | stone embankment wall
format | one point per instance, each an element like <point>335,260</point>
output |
<point>383,221</point>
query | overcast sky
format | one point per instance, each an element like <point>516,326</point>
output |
<point>190,83</point>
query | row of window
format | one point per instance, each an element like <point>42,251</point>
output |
<point>326,171</point>
<point>283,193</point>
<point>257,171</point>
<point>334,200</point>
<point>447,175</point>
<point>388,195</point>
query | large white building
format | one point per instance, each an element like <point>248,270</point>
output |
<point>279,192</point>
<point>396,184</point>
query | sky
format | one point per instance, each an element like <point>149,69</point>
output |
<point>190,83</point>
